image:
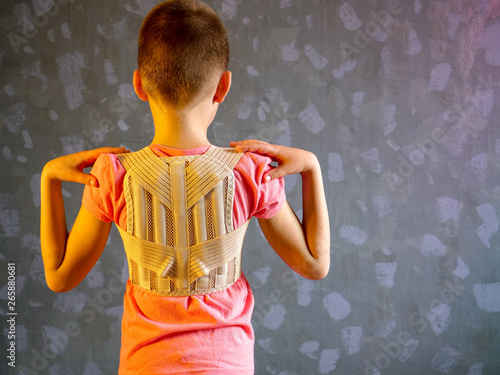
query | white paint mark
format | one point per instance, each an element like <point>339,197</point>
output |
<point>113,30</point>
<point>445,359</point>
<point>37,270</point>
<point>66,32</point>
<point>275,317</point>
<point>357,100</point>
<point>462,270</point>
<point>70,66</point>
<point>387,123</point>
<point>53,115</point>
<point>71,303</point>
<point>393,145</point>
<point>109,70</point>
<point>21,338</point>
<point>417,6</point>
<point>371,159</point>
<point>245,20</point>
<point>35,71</point>
<point>318,61</point>
<point>353,234</point>
<point>285,3</point>
<point>385,56</point>
<point>230,8</point>
<point>490,224</point>
<point>55,340</point>
<point>268,345</point>
<point>337,306</point>
<point>28,143</point>
<point>408,349</point>
<point>310,349</point>
<point>284,135</point>
<point>15,117</point>
<point>429,245</point>
<point>91,369</point>
<point>127,91</point>
<point>328,360</point>
<point>384,272</point>
<point>414,46</point>
<point>440,75</point>
<point>261,114</point>
<point>72,144</point>
<point>7,153</point>
<point>24,18</point>
<point>439,318</point>
<point>9,218</point>
<point>9,90</point>
<point>335,167</point>
<point>483,102</point>
<point>51,35</point>
<point>27,49</point>
<point>349,17</point>
<point>453,23</point>
<point>95,278</point>
<point>262,274</point>
<point>382,204</point>
<point>478,165</point>
<point>122,125</point>
<point>346,67</point>
<point>289,51</point>
<point>252,71</point>
<point>448,209</point>
<point>351,338</point>
<point>309,21</point>
<point>304,292</point>
<point>22,159</point>
<point>311,118</point>
<point>476,369</point>
<point>490,41</point>
<point>362,205</point>
<point>387,329</point>
<point>487,297</point>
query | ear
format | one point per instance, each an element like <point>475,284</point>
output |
<point>223,87</point>
<point>139,89</point>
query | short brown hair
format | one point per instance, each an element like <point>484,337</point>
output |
<point>183,51</point>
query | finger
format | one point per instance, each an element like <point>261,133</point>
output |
<point>80,178</point>
<point>260,147</point>
<point>280,171</point>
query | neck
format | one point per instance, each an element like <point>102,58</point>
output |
<point>184,132</point>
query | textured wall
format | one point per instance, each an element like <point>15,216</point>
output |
<point>400,101</point>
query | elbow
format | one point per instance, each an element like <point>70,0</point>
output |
<point>57,285</point>
<point>319,270</point>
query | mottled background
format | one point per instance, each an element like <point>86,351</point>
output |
<point>400,100</point>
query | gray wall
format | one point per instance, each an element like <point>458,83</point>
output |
<point>399,100</point>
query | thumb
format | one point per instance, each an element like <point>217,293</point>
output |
<point>273,174</point>
<point>91,181</point>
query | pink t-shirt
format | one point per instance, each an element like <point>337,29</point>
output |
<point>210,334</point>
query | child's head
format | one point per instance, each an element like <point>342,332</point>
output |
<point>183,51</point>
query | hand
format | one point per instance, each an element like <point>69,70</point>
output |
<point>290,160</point>
<point>70,167</point>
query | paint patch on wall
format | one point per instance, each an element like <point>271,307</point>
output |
<point>487,296</point>
<point>351,338</point>
<point>337,306</point>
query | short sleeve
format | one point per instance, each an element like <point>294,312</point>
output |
<point>106,201</point>
<point>253,196</point>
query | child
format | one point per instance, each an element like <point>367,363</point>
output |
<point>182,206</point>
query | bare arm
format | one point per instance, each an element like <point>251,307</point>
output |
<point>68,257</point>
<point>304,246</point>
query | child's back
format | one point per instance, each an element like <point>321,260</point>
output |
<point>182,207</point>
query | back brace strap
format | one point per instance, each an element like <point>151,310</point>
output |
<point>180,239</point>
